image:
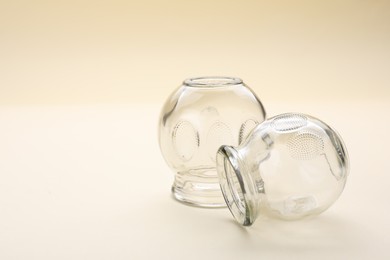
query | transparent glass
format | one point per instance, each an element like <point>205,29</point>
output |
<point>291,166</point>
<point>199,117</point>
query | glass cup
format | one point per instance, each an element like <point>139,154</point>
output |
<point>291,166</point>
<point>200,116</point>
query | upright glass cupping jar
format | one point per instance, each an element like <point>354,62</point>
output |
<point>200,116</point>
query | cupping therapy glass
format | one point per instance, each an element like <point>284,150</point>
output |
<point>291,166</point>
<point>200,116</point>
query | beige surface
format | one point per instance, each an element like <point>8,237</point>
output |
<point>81,85</point>
<point>88,182</point>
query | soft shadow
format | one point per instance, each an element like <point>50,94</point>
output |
<point>321,233</point>
<point>240,228</point>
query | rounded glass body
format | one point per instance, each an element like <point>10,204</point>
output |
<point>291,166</point>
<point>199,117</point>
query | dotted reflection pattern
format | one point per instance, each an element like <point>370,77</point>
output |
<point>305,146</point>
<point>219,134</point>
<point>246,129</point>
<point>185,140</point>
<point>288,122</point>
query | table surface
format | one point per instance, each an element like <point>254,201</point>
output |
<point>89,182</point>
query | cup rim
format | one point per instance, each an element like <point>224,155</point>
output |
<point>229,166</point>
<point>212,82</point>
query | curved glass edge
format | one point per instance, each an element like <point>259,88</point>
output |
<point>212,82</point>
<point>233,185</point>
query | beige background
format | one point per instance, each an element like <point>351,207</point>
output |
<point>81,87</point>
<point>128,51</point>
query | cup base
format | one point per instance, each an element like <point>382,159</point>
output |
<point>198,188</point>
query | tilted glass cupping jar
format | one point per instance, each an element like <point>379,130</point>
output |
<point>199,117</point>
<point>291,166</point>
